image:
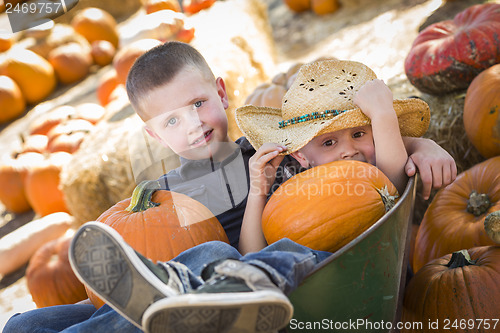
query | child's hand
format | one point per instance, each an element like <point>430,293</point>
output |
<point>374,98</point>
<point>262,166</point>
<point>436,167</point>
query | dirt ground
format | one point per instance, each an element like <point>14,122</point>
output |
<point>378,33</point>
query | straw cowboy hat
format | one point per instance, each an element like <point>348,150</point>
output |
<point>320,101</point>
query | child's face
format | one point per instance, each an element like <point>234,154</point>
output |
<point>347,144</point>
<point>188,115</point>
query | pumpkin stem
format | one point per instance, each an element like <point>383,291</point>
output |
<point>492,226</point>
<point>141,197</point>
<point>478,204</point>
<point>388,199</point>
<point>460,259</point>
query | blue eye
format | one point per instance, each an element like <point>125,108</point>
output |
<point>172,122</point>
<point>198,104</point>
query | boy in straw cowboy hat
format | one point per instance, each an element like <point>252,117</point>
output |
<point>210,287</point>
<point>334,110</point>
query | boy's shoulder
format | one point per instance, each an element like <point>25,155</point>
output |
<point>245,145</point>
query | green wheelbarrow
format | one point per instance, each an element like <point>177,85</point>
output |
<point>360,287</point>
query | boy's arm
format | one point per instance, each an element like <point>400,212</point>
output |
<point>262,167</point>
<point>436,166</point>
<point>376,101</point>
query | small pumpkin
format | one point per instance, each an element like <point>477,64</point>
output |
<point>96,24</point>
<point>12,103</point>
<point>327,206</point>
<point>6,41</point>
<point>49,276</point>
<point>323,7</point>
<point>481,112</point>
<point>126,56</point>
<point>46,121</point>
<point>71,62</point>
<point>13,171</point>
<point>42,184</point>
<point>454,220</point>
<point>455,289</point>
<point>447,55</point>
<point>161,224</point>
<point>152,6</point>
<point>33,74</point>
<point>102,52</point>
<point>107,84</point>
<point>67,136</point>
<point>298,6</point>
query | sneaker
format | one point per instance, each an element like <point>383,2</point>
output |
<point>238,298</point>
<point>114,271</point>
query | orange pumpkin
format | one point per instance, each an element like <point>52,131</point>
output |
<point>42,184</point>
<point>12,103</point>
<point>71,62</point>
<point>152,6</point>
<point>6,41</point>
<point>454,219</point>
<point>13,171</point>
<point>161,224</point>
<point>102,52</point>
<point>46,121</point>
<point>107,84</point>
<point>455,291</point>
<point>298,6</point>
<point>127,55</point>
<point>49,276</point>
<point>327,206</point>
<point>96,24</point>
<point>34,75</point>
<point>67,136</point>
<point>481,112</point>
<point>323,7</point>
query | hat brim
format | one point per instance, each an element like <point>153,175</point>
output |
<point>261,124</point>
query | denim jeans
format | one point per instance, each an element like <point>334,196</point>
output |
<point>286,262</point>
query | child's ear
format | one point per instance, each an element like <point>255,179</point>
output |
<point>155,136</point>
<point>304,162</point>
<point>221,90</point>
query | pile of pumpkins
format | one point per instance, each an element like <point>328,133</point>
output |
<point>34,63</point>
<point>31,69</point>
<point>456,250</point>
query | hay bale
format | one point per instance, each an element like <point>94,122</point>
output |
<point>235,38</point>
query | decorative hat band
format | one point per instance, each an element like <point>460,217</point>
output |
<point>310,116</point>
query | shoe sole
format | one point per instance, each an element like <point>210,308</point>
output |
<point>260,311</point>
<point>110,268</point>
